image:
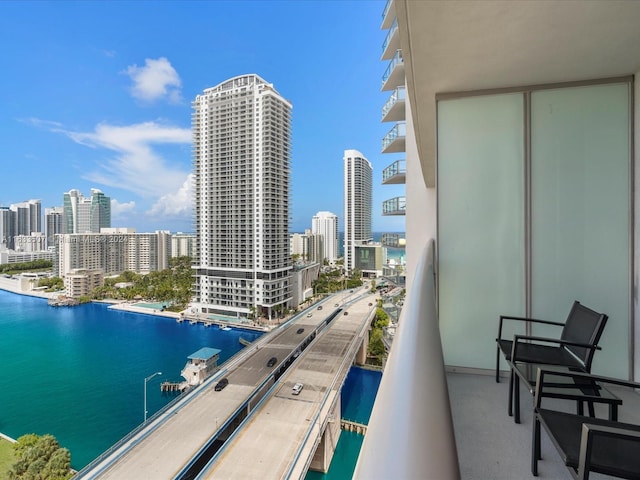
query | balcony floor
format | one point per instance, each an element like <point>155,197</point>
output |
<point>491,446</point>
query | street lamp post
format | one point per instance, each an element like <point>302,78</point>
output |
<point>145,393</point>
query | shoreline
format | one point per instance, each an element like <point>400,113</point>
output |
<point>16,286</point>
<point>7,438</point>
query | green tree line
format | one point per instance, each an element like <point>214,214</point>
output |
<point>26,266</point>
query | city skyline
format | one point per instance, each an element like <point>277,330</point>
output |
<point>107,105</point>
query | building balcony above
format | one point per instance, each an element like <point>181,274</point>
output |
<point>392,42</point>
<point>393,240</point>
<point>394,108</point>
<point>395,173</point>
<point>394,141</point>
<point>388,15</point>
<point>394,206</point>
<point>394,74</point>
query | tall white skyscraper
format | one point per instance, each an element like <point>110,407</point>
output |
<point>241,144</point>
<point>86,215</point>
<point>358,175</point>
<point>326,224</point>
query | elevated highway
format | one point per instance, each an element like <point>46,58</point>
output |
<point>182,440</point>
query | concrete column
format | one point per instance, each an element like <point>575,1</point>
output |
<point>324,453</point>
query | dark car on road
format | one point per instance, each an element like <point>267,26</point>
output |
<point>300,330</point>
<point>221,384</point>
<point>272,361</point>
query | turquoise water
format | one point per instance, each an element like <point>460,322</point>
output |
<point>344,458</point>
<point>78,372</point>
<point>158,306</point>
<point>357,397</point>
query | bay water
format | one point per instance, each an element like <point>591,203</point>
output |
<point>78,372</point>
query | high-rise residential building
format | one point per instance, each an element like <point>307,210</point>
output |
<point>100,211</point>
<point>241,144</point>
<point>53,223</point>
<point>113,251</point>
<point>182,244</point>
<point>358,174</point>
<point>326,224</point>
<point>310,246</point>
<point>28,217</point>
<point>86,215</point>
<point>7,227</point>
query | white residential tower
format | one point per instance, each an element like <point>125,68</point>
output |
<point>326,224</point>
<point>357,204</point>
<point>241,154</point>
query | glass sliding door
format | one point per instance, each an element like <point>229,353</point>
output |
<point>580,211</point>
<point>481,261</point>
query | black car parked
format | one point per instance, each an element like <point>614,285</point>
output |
<point>272,361</point>
<point>300,330</point>
<point>221,384</point>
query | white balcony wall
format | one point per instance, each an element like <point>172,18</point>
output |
<point>421,210</point>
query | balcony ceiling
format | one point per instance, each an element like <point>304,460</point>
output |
<point>476,45</point>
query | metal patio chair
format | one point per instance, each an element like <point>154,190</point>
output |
<point>585,444</point>
<point>574,347</point>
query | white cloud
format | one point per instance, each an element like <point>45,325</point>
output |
<point>137,166</point>
<point>155,80</point>
<point>121,208</point>
<point>176,204</point>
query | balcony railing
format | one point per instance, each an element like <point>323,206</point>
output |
<point>422,437</point>
<point>394,109</point>
<point>394,74</point>
<point>394,206</point>
<point>391,42</point>
<point>395,173</point>
<point>394,240</point>
<point>394,141</point>
<point>388,14</point>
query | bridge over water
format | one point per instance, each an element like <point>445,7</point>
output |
<point>255,427</point>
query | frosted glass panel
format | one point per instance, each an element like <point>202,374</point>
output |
<point>580,211</point>
<point>480,223</point>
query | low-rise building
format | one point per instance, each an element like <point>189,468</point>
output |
<point>80,282</point>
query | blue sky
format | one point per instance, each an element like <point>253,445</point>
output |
<point>97,94</point>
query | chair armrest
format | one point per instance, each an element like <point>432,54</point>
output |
<point>524,319</point>
<point>590,431</point>
<point>518,339</point>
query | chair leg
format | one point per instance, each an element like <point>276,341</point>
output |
<point>511,394</point>
<point>497,364</point>
<point>535,446</point>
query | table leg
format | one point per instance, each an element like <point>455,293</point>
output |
<point>511,393</point>
<point>516,398</point>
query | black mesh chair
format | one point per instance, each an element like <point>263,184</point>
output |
<point>574,348</point>
<point>585,444</point>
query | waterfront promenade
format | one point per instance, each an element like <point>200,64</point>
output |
<point>23,286</point>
